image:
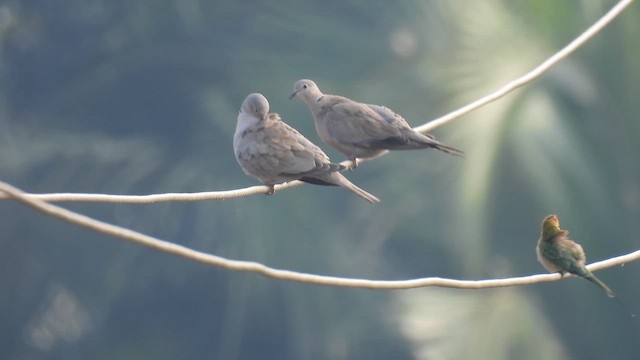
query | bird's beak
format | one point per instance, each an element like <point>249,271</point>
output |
<point>293,95</point>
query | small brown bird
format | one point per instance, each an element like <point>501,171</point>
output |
<point>557,253</point>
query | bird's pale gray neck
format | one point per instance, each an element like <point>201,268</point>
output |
<point>245,121</point>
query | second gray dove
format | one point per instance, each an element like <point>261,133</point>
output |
<point>274,152</point>
<point>361,130</point>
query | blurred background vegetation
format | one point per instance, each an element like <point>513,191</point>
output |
<point>139,97</point>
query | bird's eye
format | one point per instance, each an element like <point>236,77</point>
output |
<point>305,86</point>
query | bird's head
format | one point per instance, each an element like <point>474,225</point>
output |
<point>550,225</point>
<point>306,90</point>
<point>255,104</point>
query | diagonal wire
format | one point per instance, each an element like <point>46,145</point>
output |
<point>258,268</point>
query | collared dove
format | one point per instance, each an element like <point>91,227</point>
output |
<point>273,152</point>
<point>361,130</point>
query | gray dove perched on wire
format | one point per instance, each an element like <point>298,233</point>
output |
<point>361,130</point>
<point>273,152</point>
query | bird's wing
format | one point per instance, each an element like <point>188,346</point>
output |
<point>296,155</point>
<point>392,118</point>
<point>355,123</point>
<point>571,256</point>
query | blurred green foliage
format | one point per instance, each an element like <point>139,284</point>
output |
<point>141,97</point>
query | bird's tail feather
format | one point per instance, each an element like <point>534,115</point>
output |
<point>345,183</point>
<point>598,282</point>
<point>363,194</point>
<point>337,179</point>
<point>449,150</point>
<point>429,141</point>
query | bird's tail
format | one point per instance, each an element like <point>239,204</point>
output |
<point>428,141</point>
<point>449,149</point>
<point>598,282</point>
<point>345,183</point>
<point>363,194</point>
<point>589,276</point>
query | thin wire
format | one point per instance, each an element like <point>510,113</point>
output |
<point>156,198</point>
<point>533,74</point>
<point>258,268</point>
